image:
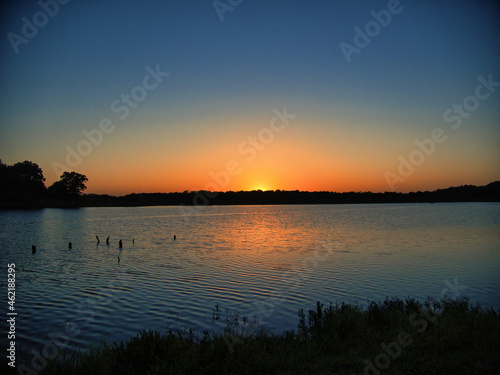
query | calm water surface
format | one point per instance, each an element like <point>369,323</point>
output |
<point>266,262</point>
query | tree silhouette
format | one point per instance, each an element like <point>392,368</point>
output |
<point>31,178</point>
<point>70,186</point>
<point>21,182</point>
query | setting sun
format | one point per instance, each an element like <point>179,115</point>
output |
<point>186,171</point>
<point>262,187</point>
<point>256,180</point>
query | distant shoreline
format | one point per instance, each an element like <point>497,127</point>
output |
<point>464,193</point>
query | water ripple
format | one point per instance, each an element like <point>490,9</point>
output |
<point>256,261</point>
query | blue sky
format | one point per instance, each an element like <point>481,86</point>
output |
<point>227,76</point>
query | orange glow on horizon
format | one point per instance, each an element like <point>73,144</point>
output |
<point>296,158</point>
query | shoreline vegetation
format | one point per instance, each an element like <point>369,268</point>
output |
<point>464,193</point>
<point>395,336</point>
<point>22,185</point>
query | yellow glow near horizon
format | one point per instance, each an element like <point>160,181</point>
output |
<point>335,157</point>
<point>260,186</point>
<point>259,178</point>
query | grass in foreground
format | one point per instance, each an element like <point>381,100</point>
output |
<point>390,337</point>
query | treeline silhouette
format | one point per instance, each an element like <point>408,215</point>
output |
<point>22,185</point>
<point>465,193</point>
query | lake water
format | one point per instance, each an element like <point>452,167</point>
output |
<point>266,262</point>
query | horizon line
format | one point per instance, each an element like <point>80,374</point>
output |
<point>294,191</point>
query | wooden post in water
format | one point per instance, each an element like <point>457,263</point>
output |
<point>33,249</point>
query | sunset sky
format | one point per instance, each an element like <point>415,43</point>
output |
<point>164,96</point>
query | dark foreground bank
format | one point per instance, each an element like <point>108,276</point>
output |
<point>390,337</point>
